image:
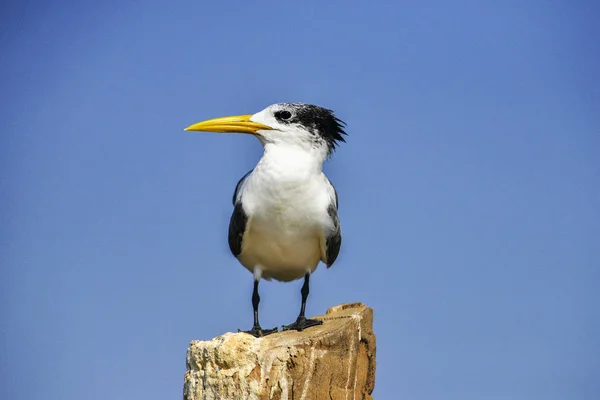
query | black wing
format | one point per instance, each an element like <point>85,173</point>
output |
<point>333,238</point>
<point>238,221</point>
<point>237,227</point>
<point>239,186</point>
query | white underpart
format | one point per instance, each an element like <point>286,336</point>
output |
<point>286,199</point>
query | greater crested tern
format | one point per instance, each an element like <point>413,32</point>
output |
<point>285,216</point>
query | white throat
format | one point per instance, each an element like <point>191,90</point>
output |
<point>291,161</point>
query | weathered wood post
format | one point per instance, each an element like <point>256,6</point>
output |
<point>335,360</point>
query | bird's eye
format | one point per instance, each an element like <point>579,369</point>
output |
<point>284,115</point>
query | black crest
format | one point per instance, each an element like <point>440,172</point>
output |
<point>317,120</point>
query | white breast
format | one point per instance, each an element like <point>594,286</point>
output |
<point>286,201</point>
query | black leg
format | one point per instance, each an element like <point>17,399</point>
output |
<point>303,323</point>
<point>256,330</point>
<point>255,301</point>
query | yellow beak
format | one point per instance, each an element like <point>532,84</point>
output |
<point>238,123</point>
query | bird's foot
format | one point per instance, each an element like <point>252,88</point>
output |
<point>301,324</point>
<point>258,332</point>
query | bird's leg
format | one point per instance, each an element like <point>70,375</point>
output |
<point>256,330</point>
<point>303,323</point>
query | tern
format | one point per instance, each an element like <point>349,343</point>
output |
<point>285,217</point>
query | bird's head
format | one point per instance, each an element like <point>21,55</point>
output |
<point>292,124</point>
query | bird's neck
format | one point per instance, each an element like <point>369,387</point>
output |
<point>292,160</point>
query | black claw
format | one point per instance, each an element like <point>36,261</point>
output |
<point>258,332</point>
<point>301,324</point>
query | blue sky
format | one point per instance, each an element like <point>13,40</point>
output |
<point>469,194</point>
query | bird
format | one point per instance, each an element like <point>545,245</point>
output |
<point>285,210</point>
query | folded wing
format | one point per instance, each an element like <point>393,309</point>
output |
<point>332,235</point>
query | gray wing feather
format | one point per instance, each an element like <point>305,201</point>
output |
<point>239,187</point>
<point>333,238</point>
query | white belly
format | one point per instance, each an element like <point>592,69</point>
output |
<point>284,234</point>
<point>282,252</point>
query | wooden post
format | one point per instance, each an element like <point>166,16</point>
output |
<point>335,360</point>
